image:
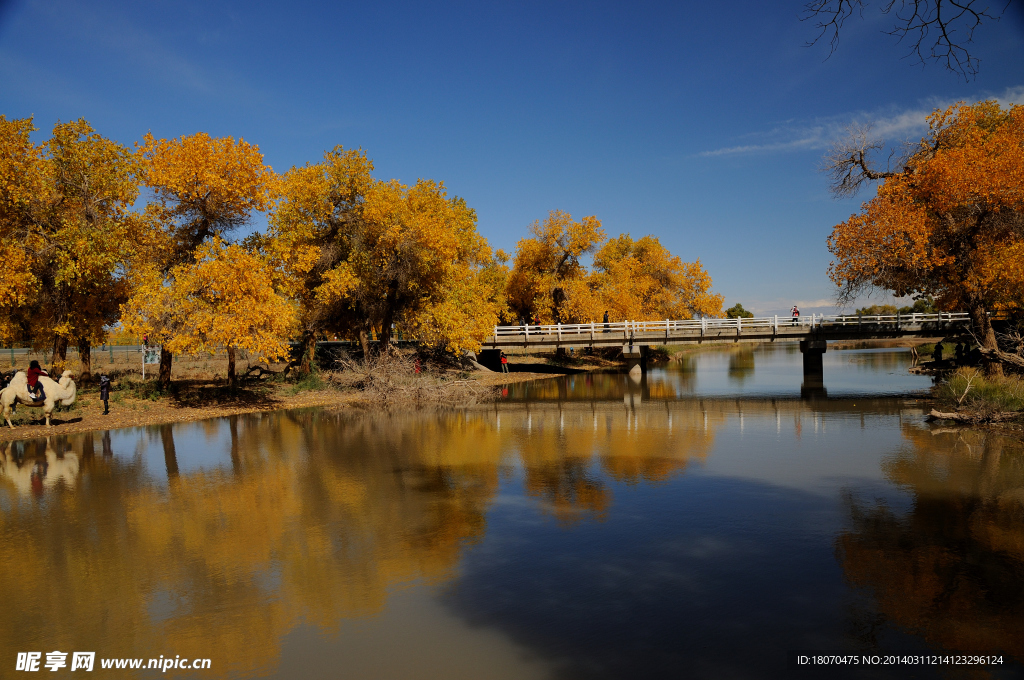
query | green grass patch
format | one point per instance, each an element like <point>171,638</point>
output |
<point>968,389</point>
<point>927,350</point>
<point>310,381</point>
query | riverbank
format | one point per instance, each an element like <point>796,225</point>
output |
<point>134,406</point>
<point>200,392</point>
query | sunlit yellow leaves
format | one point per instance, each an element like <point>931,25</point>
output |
<point>638,280</point>
<point>224,299</point>
<point>201,177</point>
<point>548,280</point>
<point>951,224</point>
<point>345,253</point>
<point>367,254</point>
<point>641,280</point>
<point>66,230</point>
<point>22,170</point>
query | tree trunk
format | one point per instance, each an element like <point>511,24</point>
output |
<point>170,455</point>
<point>165,368</point>
<point>308,353</point>
<point>364,340</point>
<point>384,343</point>
<point>236,458</point>
<point>986,335</point>
<point>232,378</point>
<point>60,354</point>
<point>85,358</point>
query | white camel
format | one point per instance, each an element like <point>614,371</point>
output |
<point>17,392</point>
<point>39,473</point>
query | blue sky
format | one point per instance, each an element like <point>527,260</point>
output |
<point>701,123</point>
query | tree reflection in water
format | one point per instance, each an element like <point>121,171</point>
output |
<point>952,569</point>
<point>296,517</point>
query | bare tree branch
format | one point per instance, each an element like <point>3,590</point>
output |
<point>849,163</point>
<point>939,30</point>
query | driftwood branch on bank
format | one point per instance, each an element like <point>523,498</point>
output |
<point>1004,357</point>
<point>973,417</point>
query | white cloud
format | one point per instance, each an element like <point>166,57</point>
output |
<point>894,126</point>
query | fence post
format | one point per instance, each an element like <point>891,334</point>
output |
<point>775,326</point>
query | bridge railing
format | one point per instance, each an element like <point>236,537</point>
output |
<point>668,327</point>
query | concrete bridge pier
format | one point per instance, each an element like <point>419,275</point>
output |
<point>813,386</point>
<point>636,360</point>
<point>813,351</point>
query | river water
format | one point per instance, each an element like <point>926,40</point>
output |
<point>705,522</point>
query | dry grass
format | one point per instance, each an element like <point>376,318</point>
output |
<point>967,390</point>
<point>393,379</point>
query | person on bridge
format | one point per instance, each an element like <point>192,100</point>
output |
<point>606,321</point>
<point>796,315</point>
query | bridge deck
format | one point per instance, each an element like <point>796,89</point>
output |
<point>697,331</point>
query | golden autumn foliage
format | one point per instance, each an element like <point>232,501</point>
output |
<point>951,223</point>
<point>345,253</point>
<point>642,280</point>
<point>226,298</point>
<point>204,187</point>
<point>365,255</point>
<point>66,231</point>
<point>548,281</point>
<point>637,280</point>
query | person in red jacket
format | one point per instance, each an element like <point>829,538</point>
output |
<point>34,386</point>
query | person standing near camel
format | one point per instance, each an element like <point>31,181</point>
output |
<point>105,393</point>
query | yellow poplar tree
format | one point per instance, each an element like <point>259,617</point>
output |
<point>418,260</point>
<point>949,224</point>
<point>65,207</point>
<point>310,242</point>
<point>547,279</point>
<point>24,190</point>
<point>204,188</point>
<point>226,298</point>
<point>641,280</point>
<point>363,255</point>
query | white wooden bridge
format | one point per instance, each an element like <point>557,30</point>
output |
<point>813,332</point>
<point>757,329</point>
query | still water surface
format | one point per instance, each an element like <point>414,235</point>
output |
<point>701,523</point>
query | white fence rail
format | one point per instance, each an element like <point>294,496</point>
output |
<point>627,329</point>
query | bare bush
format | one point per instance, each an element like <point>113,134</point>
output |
<point>392,379</point>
